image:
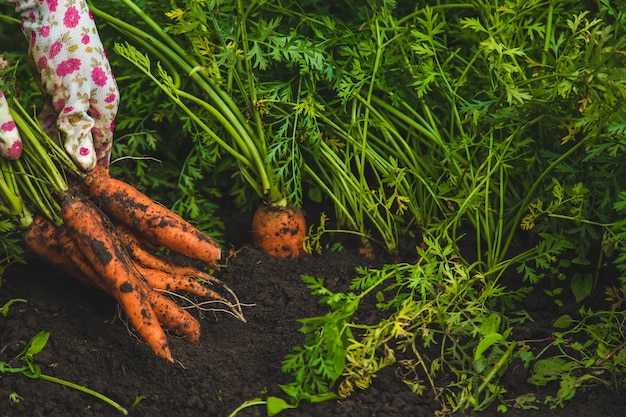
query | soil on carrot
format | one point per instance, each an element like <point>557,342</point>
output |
<point>233,361</point>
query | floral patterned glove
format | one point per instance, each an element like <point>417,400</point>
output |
<point>10,142</point>
<point>67,52</point>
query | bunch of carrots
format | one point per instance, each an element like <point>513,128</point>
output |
<point>107,234</point>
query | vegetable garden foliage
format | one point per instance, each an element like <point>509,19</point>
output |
<point>505,120</point>
<point>499,122</point>
<point>404,117</point>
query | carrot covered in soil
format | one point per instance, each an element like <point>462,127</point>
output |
<point>165,275</point>
<point>91,256</point>
<point>54,244</point>
<point>136,249</point>
<point>279,231</point>
<point>46,241</point>
<point>90,232</point>
<point>153,221</point>
<point>174,318</point>
<point>161,280</point>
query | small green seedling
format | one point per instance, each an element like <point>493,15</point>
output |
<point>4,310</point>
<point>14,397</point>
<point>138,399</point>
<point>274,405</point>
<point>31,370</point>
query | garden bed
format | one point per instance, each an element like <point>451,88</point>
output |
<point>232,363</point>
<point>496,128</point>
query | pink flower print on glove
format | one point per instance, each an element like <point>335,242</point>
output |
<point>66,49</point>
<point>10,142</point>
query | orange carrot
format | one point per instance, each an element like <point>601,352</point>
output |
<point>162,274</point>
<point>161,280</point>
<point>279,231</point>
<point>148,259</point>
<point>89,231</point>
<point>52,244</point>
<point>42,237</point>
<point>174,318</point>
<point>152,220</point>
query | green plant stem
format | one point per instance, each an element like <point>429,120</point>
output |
<point>480,183</point>
<point>276,196</point>
<point>10,19</point>
<point>260,134</point>
<point>342,182</point>
<point>147,42</point>
<point>502,362</point>
<point>38,179</point>
<point>492,229</point>
<point>247,404</point>
<point>366,117</point>
<point>231,117</point>
<point>341,209</point>
<point>548,34</point>
<point>10,196</point>
<point>189,65</point>
<point>244,158</point>
<point>429,135</point>
<point>32,138</point>
<point>86,390</point>
<point>400,147</point>
<point>530,193</point>
<point>37,195</point>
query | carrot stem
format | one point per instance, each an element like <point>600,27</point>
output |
<point>251,144</point>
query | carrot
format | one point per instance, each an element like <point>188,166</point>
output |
<point>152,220</point>
<point>174,318</point>
<point>279,231</point>
<point>89,231</point>
<point>44,240</point>
<point>165,275</point>
<point>161,280</point>
<point>92,250</point>
<point>41,238</point>
<point>52,244</point>
<point>148,259</point>
<point>132,240</point>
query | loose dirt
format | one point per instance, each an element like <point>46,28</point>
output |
<point>233,362</point>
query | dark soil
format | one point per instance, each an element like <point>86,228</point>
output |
<point>232,363</point>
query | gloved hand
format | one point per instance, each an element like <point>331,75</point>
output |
<point>74,73</point>
<point>10,142</point>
